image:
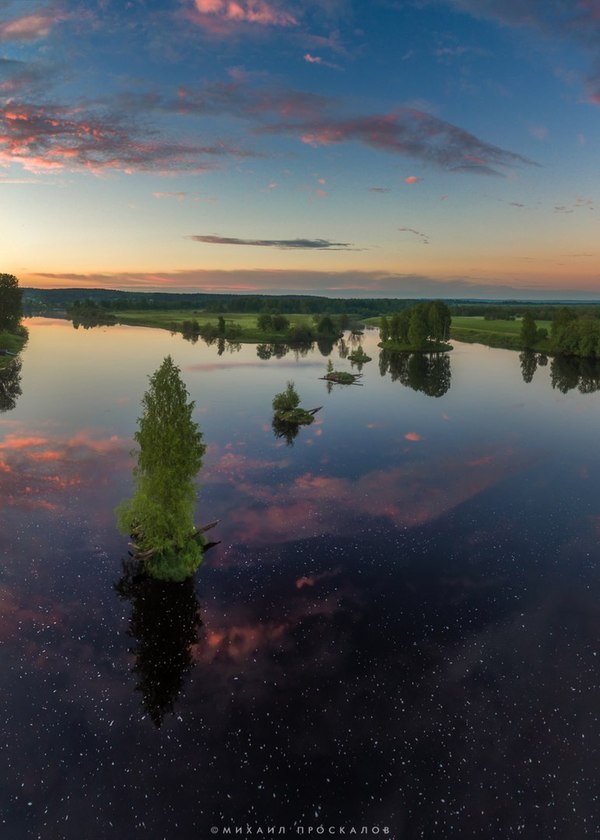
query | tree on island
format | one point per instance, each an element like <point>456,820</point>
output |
<point>418,326</point>
<point>287,400</point>
<point>340,377</point>
<point>287,414</point>
<point>11,310</point>
<point>160,516</point>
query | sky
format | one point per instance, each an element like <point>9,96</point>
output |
<point>416,148</point>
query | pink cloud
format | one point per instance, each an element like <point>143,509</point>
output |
<point>242,11</point>
<point>27,27</point>
<point>407,132</point>
<point>406,496</point>
<point>40,473</point>
<point>42,139</point>
<point>13,442</point>
<point>412,179</point>
<point>414,436</point>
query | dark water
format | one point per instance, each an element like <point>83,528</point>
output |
<point>400,628</point>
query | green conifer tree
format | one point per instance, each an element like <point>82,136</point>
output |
<point>160,516</point>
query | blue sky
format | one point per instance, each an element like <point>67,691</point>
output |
<point>390,147</point>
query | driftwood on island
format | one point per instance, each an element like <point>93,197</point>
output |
<point>297,416</point>
<point>140,554</point>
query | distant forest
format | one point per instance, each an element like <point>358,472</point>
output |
<point>45,300</point>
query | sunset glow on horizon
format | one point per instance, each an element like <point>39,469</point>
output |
<point>439,148</point>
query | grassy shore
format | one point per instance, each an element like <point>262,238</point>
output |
<point>172,319</point>
<point>13,342</point>
<point>501,333</point>
<point>432,347</point>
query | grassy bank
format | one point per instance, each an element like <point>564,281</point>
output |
<point>501,333</point>
<point>13,342</point>
<point>173,319</point>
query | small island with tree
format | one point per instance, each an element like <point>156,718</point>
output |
<point>423,328</point>
<point>160,516</point>
<point>340,377</point>
<point>288,416</point>
<point>359,357</point>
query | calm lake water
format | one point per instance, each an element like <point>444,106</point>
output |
<point>400,627</point>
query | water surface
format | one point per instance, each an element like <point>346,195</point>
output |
<point>399,628</point>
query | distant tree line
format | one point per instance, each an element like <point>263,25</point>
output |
<point>286,304</point>
<point>510,310</point>
<point>111,299</point>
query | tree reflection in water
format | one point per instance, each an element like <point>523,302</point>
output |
<point>285,430</point>
<point>568,372</point>
<point>529,362</point>
<point>10,385</point>
<point>164,623</point>
<point>429,373</point>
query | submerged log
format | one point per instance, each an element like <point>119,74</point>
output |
<point>207,527</point>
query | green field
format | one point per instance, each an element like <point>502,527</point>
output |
<point>172,319</point>
<point>501,333</point>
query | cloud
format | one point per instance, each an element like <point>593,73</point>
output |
<point>39,472</point>
<point>182,195</point>
<point>410,132</point>
<point>283,244</point>
<point>316,59</point>
<point>333,283</point>
<point>27,27</point>
<point>237,98</point>
<point>115,133</point>
<point>18,75</point>
<point>42,138</point>
<point>226,18</point>
<point>402,496</point>
<point>379,189</point>
<point>407,132</point>
<point>412,179</point>
<point>579,204</point>
<point>424,238</point>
